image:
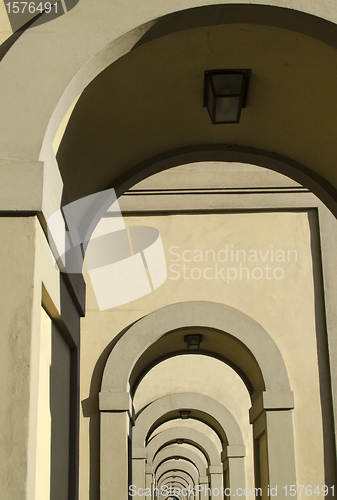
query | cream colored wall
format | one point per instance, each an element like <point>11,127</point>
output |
<point>19,317</point>
<point>44,416</point>
<point>26,264</point>
<point>5,26</point>
<point>284,307</point>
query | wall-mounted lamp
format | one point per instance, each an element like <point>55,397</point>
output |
<point>184,414</point>
<point>225,94</point>
<point>176,458</point>
<point>180,441</point>
<point>193,342</point>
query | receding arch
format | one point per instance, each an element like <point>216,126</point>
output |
<point>178,482</point>
<point>189,435</point>
<point>271,397</point>
<point>180,452</point>
<point>176,478</point>
<point>231,153</point>
<point>184,476</point>
<point>175,496</point>
<point>171,466</point>
<point>161,410</point>
<point>249,334</point>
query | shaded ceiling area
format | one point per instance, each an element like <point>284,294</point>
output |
<point>213,343</point>
<point>150,102</point>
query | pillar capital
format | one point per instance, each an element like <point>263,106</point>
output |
<point>21,185</point>
<point>233,452</point>
<point>139,453</point>
<point>271,400</point>
<point>148,469</point>
<point>214,469</point>
<point>116,401</point>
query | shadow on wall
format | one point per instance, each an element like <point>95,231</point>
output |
<point>37,12</point>
<point>322,354</point>
<point>90,410</point>
<point>60,397</point>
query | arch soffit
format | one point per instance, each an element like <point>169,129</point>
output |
<point>174,482</point>
<point>175,496</point>
<point>148,419</point>
<point>179,451</point>
<point>51,96</point>
<point>176,477</point>
<point>181,475</point>
<point>182,450</point>
<point>189,435</point>
<point>172,465</point>
<point>208,315</point>
<point>181,464</point>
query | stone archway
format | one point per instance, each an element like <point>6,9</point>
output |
<point>272,399</point>
<point>216,415</point>
<point>189,435</point>
<point>25,149</point>
<point>49,97</point>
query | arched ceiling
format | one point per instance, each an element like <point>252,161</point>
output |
<point>214,344</point>
<point>194,414</point>
<point>149,103</point>
<point>181,426</point>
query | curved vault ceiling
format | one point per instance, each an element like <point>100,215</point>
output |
<point>149,102</point>
<point>214,344</point>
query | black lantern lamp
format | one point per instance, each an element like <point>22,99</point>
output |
<point>193,341</point>
<point>184,414</point>
<point>225,94</point>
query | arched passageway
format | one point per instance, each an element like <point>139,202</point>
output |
<point>123,132</point>
<point>267,378</point>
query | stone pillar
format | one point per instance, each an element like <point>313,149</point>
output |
<point>215,476</point>
<point>204,493</point>
<point>30,281</point>
<point>272,413</point>
<point>116,419</point>
<point>281,453</point>
<point>233,458</point>
<point>138,471</point>
<point>149,483</point>
<point>20,309</point>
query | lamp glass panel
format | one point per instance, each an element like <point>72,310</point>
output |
<point>226,83</point>
<point>210,98</point>
<point>227,109</point>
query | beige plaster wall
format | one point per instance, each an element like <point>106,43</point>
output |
<point>33,353</point>
<point>284,307</point>
<point>18,320</point>
<point>5,27</point>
